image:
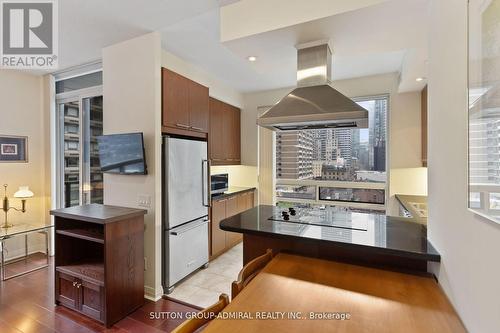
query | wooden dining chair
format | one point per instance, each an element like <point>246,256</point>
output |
<point>192,324</point>
<point>249,271</point>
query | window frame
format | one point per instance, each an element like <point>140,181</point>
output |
<point>344,184</point>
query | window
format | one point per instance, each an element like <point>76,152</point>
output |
<point>306,159</point>
<point>79,103</point>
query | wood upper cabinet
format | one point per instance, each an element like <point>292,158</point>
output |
<point>216,135</point>
<point>198,107</point>
<point>224,133</point>
<point>175,107</point>
<point>185,109</point>
<point>234,135</point>
<point>424,125</point>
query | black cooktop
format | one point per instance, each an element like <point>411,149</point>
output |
<point>323,217</point>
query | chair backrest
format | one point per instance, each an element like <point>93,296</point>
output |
<point>192,324</point>
<point>249,271</point>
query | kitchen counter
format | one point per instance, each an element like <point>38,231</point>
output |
<point>416,205</point>
<point>233,190</point>
<point>378,239</point>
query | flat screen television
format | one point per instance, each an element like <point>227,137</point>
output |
<point>122,154</point>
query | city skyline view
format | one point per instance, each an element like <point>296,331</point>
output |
<point>343,154</point>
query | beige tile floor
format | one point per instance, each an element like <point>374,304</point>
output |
<point>204,287</point>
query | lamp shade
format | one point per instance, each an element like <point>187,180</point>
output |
<point>23,192</point>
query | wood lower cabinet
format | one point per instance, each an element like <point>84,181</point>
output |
<point>185,106</point>
<point>99,262</point>
<point>218,235</point>
<point>224,133</point>
<point>221,240</point>
<point>66,291</point>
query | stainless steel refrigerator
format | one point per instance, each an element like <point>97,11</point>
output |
<point>186,198</point>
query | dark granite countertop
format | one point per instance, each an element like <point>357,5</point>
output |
<point>233,190</point>
<point>409,201</point>
<point>96,213</point>
<point>380,233</point>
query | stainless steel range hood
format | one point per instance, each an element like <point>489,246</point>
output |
<point>314,103</point>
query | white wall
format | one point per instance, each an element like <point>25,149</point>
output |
<point>404,126</point>
<point>132,100</point>
<point>469,245</point>
<point>22,113</point>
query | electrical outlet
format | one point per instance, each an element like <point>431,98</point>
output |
<point>144,200</point>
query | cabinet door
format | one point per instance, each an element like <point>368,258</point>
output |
<point>218,235</point>
<point>216,135</point>
<point>92,300</point>
<point>231,123</point>
<point>242,202</point>
<point>235,135</point>
<point>250,202</point>
<point>66,291</point>
<point>227,130</point>
<point>232,238</point>
<point>198,107</point>
<point>232,206</point>
<point>175,97</point>
<point>423,110</point>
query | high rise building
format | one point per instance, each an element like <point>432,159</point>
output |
<point>484,150</point>
<point>294,154</point>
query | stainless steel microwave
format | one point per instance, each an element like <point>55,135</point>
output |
<point>219,183</point>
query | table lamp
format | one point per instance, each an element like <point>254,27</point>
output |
<point>23,193</point>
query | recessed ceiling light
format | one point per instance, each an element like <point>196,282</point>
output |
<point>420,79</point>
<point>252,58</point>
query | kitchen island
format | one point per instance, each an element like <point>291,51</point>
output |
<point>361,238</point>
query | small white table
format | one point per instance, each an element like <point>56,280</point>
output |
<point>19,230</point>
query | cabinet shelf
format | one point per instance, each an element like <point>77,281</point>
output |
<point>91,271</point>
<point>93,235</point>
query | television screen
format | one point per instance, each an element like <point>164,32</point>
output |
<point>122,153</point>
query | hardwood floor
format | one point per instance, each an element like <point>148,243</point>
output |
<point>27,306</point>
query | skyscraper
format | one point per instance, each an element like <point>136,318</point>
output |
<point>294,154</point>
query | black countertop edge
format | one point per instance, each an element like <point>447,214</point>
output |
<point>233,190</point>
<point>435,257</point>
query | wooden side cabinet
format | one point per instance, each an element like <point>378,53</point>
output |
<point>223,208</point>
<point>224,133</point>
<point>99,262</point>
<point>185,108</point>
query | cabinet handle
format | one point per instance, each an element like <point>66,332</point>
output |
<point>197,128</point>
<point>75,283</point>
<point>78,285</point>
<point>182,125</point>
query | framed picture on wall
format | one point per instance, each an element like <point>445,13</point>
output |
<point>484,108</point>
<point>13,148</point>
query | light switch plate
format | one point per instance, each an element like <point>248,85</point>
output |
<point>144,200</point>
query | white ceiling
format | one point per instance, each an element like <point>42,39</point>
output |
<point>85,27</point>
<point>379,39</point>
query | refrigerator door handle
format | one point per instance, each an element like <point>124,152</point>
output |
<point>180,231</point>
<point>206,183</point>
